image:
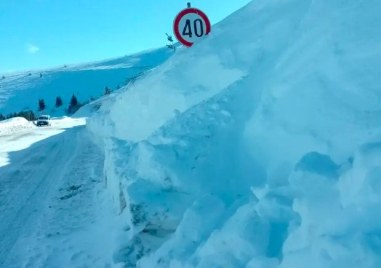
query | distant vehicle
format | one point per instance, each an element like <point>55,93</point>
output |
<point>43,120</point>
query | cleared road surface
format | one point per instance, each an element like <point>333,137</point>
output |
<point>54,211</point>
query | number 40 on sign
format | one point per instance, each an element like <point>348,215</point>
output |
<point>191,25</point>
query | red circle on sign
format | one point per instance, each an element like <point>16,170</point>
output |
<point>181,15</point>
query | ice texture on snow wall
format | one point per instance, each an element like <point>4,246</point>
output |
<point>258,147</point>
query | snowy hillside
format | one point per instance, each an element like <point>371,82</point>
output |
<point>21,91</point>
<point>258,147</point>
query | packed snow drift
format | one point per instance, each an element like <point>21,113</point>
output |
<point>14,125</point>
<point>258,147</point>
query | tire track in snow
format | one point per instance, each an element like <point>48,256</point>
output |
<point>45,164</point>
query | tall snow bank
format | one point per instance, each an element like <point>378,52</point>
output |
<point>14,125</point>
<point>258,147</point>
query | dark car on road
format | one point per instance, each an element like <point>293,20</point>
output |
<point>43,120</point>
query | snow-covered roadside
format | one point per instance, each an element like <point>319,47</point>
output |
<point>20,134</point>
<point>53,208</point>
<point>14,125</point>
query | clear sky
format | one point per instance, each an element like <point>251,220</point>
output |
<point>48,33</point>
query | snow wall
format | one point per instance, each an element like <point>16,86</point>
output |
<point>258,147</point>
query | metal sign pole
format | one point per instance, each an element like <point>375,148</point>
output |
<point>189,5</point>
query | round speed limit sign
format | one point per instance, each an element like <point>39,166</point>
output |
<point>191,25</point>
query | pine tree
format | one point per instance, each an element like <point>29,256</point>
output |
<point>73,101</point>
<point>59,102</point>
<point>28,115</point>
<point>107,91</point>
<point>41,105</point>
<point>74,105</point>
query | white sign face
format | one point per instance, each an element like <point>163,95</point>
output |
<point>190,26</point>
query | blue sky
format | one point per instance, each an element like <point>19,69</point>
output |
<point>47,33</point>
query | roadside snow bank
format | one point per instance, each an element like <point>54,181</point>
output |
<point>21,134</point>
<point>259,147</point>
<point>67,122</point>
<point>14,125</point>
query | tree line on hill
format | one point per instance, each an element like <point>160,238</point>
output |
<point>29,115</point>
<point>73,106</point>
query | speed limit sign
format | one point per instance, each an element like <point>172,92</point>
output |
<point>191,25</point>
